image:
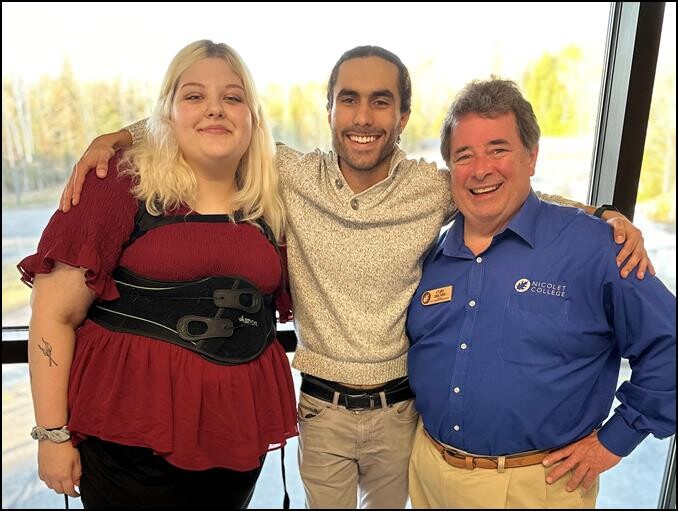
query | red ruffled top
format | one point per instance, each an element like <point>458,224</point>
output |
<point>140,391</point>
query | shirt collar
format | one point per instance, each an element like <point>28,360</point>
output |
<point>523,224</point>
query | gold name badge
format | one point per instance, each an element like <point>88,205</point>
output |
<point>433,296</point>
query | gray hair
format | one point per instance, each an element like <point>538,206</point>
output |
<point>491,98</point>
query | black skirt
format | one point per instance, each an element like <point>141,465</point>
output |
<point>116,476</point>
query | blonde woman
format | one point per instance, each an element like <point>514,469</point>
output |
<point>156,378</point>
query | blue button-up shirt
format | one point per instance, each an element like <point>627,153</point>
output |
<point>519,348</point>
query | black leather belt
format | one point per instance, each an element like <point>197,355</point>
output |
<point>353,399</point>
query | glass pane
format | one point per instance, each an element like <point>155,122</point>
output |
<point>642,470</point>
<point>68,75</point>
<point>655,214</point>
<point>21,487</point>
<point>656,203</point>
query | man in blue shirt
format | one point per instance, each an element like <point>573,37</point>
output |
<point>518,328</point>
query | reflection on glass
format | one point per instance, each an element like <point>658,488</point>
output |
<point>656,203</point>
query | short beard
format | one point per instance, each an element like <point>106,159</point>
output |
<point>343,154</point>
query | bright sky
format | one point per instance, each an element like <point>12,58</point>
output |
<point>288,42</point>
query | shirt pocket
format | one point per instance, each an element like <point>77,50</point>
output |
<point>533,331</point>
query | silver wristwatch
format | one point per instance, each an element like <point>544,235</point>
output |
<point>137,131</point>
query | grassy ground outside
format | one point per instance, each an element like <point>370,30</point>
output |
<point>15,294</point>
<point>46,197</point>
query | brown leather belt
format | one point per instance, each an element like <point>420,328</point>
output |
<point>459,460</point>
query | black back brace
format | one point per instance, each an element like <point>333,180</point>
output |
<point>225,319</point>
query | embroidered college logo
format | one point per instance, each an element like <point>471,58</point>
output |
<point>522,285</point>
<point>541,287</point>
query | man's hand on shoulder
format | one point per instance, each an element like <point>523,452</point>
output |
<point>97,155</point>
<point>633,252</point>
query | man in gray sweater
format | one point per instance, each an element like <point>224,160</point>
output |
<point>361,219</point>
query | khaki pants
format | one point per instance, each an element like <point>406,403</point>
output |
<point>349,454</point>
<point>435,484</point>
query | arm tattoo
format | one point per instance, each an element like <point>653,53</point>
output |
<point>47,351</point>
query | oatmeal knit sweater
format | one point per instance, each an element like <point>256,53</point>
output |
<point>355,261</point>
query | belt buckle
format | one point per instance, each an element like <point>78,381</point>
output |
<point>347,398</point>
<point>348,401</point>
<point>469,462</point>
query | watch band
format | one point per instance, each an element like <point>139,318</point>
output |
<point>602,209</point>
<point>137,131</point>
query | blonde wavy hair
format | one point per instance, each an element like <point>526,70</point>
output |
<point>162,177</point>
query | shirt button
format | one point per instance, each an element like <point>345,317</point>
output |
<point>456,390</point>
<point>354,203</point>
<point>478,259</point>
<point>339,183</point>
<point>463,346</point>
<point>472,303</point>
<point>455,427</point>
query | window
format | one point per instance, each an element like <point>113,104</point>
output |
<point>78,70</point>
<point>655,210</point>
<point>68,78</point>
